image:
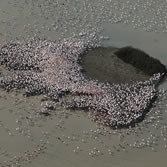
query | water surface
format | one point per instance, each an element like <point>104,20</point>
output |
<point>70,138</point>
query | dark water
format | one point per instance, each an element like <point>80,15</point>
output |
<point>70,138</point>
<point>102,64</point>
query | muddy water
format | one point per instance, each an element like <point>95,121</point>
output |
<point>70,138</point>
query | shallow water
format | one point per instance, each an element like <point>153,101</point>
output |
<point>70,137</point>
